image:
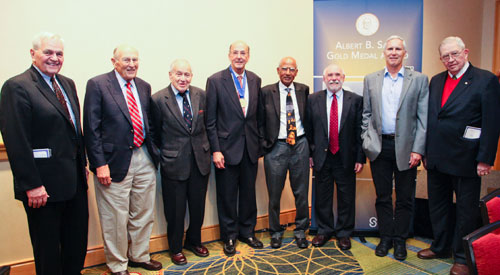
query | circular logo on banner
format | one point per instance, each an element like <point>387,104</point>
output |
<point>367,24</point>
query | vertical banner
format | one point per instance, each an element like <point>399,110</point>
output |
<point>352,33</point>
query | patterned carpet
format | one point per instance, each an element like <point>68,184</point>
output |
<point>291,260</point>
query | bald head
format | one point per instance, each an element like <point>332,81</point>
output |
<point>180,75</point>
<point>287,70</point>
<point>126,61</point>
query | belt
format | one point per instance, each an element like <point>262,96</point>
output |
<point>391,136</point>
<point>296,139</point>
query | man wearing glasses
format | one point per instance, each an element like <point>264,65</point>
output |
<point>283,107</point>
<point>462,136</point>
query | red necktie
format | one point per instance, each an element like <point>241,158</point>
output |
<point>333,139</point>
<point>135,117</point>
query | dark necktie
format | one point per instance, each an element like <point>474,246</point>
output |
<point>61,98</point>
<point>135,117</point>
<point>188,117</point>
<point>333,144</point>
<point>291,128</point>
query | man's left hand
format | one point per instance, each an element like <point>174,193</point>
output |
<point>415,159</point>
<point>358,167</point>
<point>483,169</point>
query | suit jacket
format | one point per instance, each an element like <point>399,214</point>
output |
<point>108,129</point>
<point>270,108</point>
<point>411,117</point>
<point>31,117</point>
<point>178,145</point>
<point>228,128</point>
<point>349,131</point>
<point>474,102</point>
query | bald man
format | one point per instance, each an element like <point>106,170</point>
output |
<point>178,115</point>
<point>232,125</point>
<point>123,158</point>
<point>283,106</point>
<point>333,129</point>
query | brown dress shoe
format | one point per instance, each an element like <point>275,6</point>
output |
<point>344,243</point>
<point>149,265</point>
<point>125,272</point>
<point>198,250</point>
<point>459,269</point>
<point>427,254</point>
<point>320,240</point>
<point>178,259</point>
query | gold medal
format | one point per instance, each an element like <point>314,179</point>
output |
<point>243,103</point>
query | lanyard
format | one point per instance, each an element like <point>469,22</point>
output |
<point>241,90</point>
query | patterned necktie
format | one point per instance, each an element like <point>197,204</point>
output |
<point>188,116</point>
<point>291,128</point>
<point>135,117</point>
<point>240,80</point>
<point>333,144</point>
<point>61,98</point>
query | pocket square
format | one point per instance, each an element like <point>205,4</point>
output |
<point>200,112</point>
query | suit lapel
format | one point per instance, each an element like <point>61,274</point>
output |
<point>346,104</point>
<point>379,83</point>
<point>437,94</point>
<point>116,93</point>
<point>231,92</point>
<point>195,105</point>
<point>49,94</point>
<point>276,99</point>
<point>459,89</point>
<point>301,99</point>
<point>75,107</point>
<point>321,106</point>
<point>408,78</point>
<point>144,101</point>
<point>171,103</point>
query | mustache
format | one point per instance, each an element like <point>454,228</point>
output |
<point>334,82</point>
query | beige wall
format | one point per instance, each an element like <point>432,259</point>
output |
<point>200,31</point>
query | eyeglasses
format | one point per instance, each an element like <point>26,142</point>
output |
<point>292,70</point>
<point>448,57</point>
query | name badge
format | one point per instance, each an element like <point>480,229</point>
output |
<point>44,153</point>
<point>472,132</point>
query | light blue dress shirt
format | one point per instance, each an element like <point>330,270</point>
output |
<point>179,99</point>
<point>391,92</point>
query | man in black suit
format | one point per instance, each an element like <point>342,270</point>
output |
<point>286,149</point>
<point>462,138</point>
<point>123,159</point>
<point>333,129</point>
<point>40,124</point>
<point>232,102</point>
<point>178,115</point>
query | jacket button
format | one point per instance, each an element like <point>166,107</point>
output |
<point>131,131</point>
<point>131,147</point>
<point>326,150</point>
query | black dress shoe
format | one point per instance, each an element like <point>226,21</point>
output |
<point>149,265</point>
<point>252,242</point>
<point>320,240</point>
<point>400,250</point>
<point>275,242</point>
<point>344,243</point>
<point>383,247</point>
<point>301,242</point>
<point>229,247</point>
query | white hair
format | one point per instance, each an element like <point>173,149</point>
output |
<point>37,40</point>
<point>395,37</point>
<point>451,39</point>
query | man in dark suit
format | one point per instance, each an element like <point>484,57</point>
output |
<point>40,124</point>
<point>232,102</point>
<point>178,115</point>
<point>462,138</point>
<point>286,149</point>
<point>393,131</point>
<point>123,159</point>
<point>333,128</point>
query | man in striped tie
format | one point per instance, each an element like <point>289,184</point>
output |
<point>123,159</point>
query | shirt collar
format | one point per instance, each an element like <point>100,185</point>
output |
<point>176,92</point>
<point>338,94</point>
<point>401,72</point>
<point>46,77</point>
<point>282,86</point>
<point>461,72</point>
<point>122,81</point>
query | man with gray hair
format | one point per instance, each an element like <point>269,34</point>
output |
<point>394,126</point>
<point>40,124</point>
<point>123,159</point>
<point>462,138</point>
<point>178,115</point>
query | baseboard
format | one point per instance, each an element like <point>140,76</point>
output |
<point>95,255</point>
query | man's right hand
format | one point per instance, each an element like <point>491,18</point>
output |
<point>219,160</point>
<point>103,175</point>
<point>37,197</point>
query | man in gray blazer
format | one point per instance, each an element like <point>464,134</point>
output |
<point>393,131</point>
<point>178,115</point>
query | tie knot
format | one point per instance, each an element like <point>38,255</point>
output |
<point>288,89</point>
<point>454,77</point>
<point>53,79</point>
<point>239,77</point>
<point>183,95</point>
<point>128,84</point>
